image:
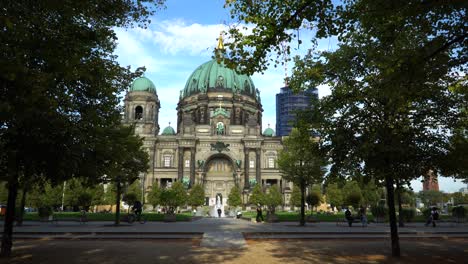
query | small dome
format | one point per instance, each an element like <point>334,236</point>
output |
<point>269,132</point>
<point>143,84</point>
<point>168,131</point>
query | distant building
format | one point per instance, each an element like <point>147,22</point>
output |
<point>464,190</point>
<point>287,103</point>
<point>430,182</point>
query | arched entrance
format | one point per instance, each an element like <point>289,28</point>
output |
<point>219,178</point>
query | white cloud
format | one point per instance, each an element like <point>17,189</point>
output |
<point>175,36</point>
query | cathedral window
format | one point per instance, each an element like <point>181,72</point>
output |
<point>138,113</point>
<point>187,163</point>
<point>271,163</point>
<point>167,161</point>
<point>252,164</point>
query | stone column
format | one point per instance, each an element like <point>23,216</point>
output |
<point>180,165</point>
<point>192,167</point>
<point>246,168</point>
<point>257,166</point>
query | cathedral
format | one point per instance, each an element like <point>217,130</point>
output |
<point>218,141</point>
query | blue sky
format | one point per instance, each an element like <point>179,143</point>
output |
<point>182,37</point>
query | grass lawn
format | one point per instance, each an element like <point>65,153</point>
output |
<point>106,216</point>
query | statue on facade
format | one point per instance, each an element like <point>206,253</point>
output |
<point>201,164</point>
<point>220,128</point>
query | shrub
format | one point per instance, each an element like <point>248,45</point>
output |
<point>459,211</point>
<point>379,211</point>
<point>45,211</point>
<point>408,214</point>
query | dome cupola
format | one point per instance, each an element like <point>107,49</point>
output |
<point>143,84</point>
<point>269,132</point>
<point>168,131</point>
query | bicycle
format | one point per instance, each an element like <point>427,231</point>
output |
<point>132,217</point>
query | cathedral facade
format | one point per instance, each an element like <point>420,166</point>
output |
<point>218,140</point>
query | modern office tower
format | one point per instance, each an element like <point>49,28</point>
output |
<point>287,104</point>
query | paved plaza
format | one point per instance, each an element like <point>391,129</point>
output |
<point>227,240</point>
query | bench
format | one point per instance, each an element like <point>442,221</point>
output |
<point>82,219</point>
<point>341,221</point>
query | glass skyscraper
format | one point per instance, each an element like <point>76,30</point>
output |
<point>287,104</point>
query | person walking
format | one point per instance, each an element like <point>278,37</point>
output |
<point>259,214</point>
<point>219,212</point>
<point>362,213</point>
<point>349,217</point>
<point>433,217</point>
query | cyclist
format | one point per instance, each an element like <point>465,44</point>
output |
<point>137,208</point>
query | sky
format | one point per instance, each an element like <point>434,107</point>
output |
<point>183,36</point>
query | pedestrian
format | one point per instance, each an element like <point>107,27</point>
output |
<point>363,215</point>
<point>219,212</point>
<point>433,217</point>
<point>349,217</point>
<point>259,213</point>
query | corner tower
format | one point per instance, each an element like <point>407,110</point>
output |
<point>142,107</point>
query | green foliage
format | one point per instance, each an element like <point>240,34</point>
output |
<point>257,197</point>
<point>459,198</point>
<point>408,197</point>
<point>45,196</point>
<point>154,195</point>
<point>130,198</point>
<point>173,197</point>
<point>371,194</point>
<point>396,106</point>
<point>273,198</point>
<point>352,194</point>
<point>379,211</point>
<point>295,199</point>
<point>196,196</point>
<point>109,194</point>
<point>85,200</point>
<point>334,195</point>
<point>431,197</point>
<point>45,211</point>
<point>135,188</point>
<point>408,214</point>
<point>314,198</point>
<point>459,211</point>
<point>234,198</point>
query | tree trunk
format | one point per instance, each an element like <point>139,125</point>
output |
<point>117,205</point>
<point>19,221</point>
<point>400,209</point>
<point>392,215</point>
<point>302,222</point>
<point>7,239</point>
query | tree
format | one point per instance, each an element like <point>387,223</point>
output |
<point>60,83</point>
<point>352,194</point>
<point>459,198</point>
<point>125,160</point>
<point>392,112</point>
<point>273,198</point>
<point>314,198</point>
<point>258,196</point>
<point>295,199</point>
<point>196,196</point>
<point>154,195</point>
<point>431,197</point>
<point>334,195</point>
<point>301,160</point>
<point>173,197</point>
<point>234,197</point>
<point>136,189</point>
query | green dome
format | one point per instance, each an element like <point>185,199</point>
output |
<point>214,76</point>
<point>168,131</point>
<point>143,84</point>
<point>269,132</point>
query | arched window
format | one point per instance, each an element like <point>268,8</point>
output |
<point>138,113</point>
